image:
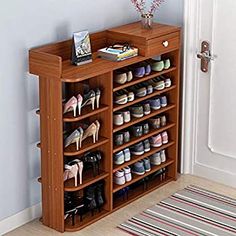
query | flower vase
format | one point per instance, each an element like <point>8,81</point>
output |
<point>147,20</point>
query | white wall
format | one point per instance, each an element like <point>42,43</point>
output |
<point>25,24</point>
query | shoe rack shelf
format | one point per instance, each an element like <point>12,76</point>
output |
<point>59,80</point>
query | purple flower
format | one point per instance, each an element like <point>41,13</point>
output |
<point>155,5</point>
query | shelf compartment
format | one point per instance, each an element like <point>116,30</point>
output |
<point>135,158</point>
<point>134,121</point>
<point>88,179</point>
<point>85,113</point>
<point>87,220</point>
<point>138,193</point>
<point>156,93</point>
<point>86,146</point>
<point>140,80</point>
<point>139,177</point>
<point>134,140</point>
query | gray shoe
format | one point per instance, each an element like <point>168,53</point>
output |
<point>163,101</point>
<point>163,156</point>
<point>138,168</point>
<point>156,159</point>
<point>145,128</point>
<point>155,103</point>
<point>146,144</point>
<point>119,139</point>
<point>127,154</point>
<point>136,130</point>
<point>137,111</point>
<point>155,123</point>
<point>139,91</point>
<point>137,149</point>
<point>147,164</point>
<point>126,135</point>
<point>146,108</point>
<point>119,158</point>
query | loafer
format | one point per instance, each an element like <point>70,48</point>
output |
<point>155,123</point>
<point>136,130</point>
<point>138,168</point>
<point>128,176</point>
<point>155,159</point>
<point>127,154</point>
<point>167,64</point>
<point>164,136</point>
<point>119,177</point>
<point>146,145</point>
<point>126,116</point>
<point>155,103</point>
<point>163,156</point>
<point>137,111</point>
<point>120,99</point>
<point>158,66</point>
<point>163,101</point>
<point>120,77</point>
<point>137,149</point>
<point>118,118</point>
<point>139,71</point>
<point>147,164</point>
<point>119,158</point>
<point>156,141</point>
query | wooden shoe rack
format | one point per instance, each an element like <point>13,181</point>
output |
<point>59,80</point>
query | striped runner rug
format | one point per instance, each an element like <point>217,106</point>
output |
<point>193,211</point>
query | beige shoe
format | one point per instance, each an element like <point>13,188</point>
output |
<point>120,78</point>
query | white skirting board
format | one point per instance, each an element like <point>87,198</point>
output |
<point>21,218</point>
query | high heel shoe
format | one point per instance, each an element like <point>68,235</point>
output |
<point>71,105</point>
<point>89,98</point>
<point>92,130</point>
<point>75,137</point>
<point>80,165</point>
<point>79,101</point>
<point>97,129</point>
<point>71,171</point>
<point>97,96</point>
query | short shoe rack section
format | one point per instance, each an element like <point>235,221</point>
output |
<point>59,80</point>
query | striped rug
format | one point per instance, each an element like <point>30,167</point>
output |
<point>193,211</point>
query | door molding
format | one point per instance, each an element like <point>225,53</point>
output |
<point>190,85</point>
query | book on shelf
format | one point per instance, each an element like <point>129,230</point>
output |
<point>81,48</point>
<point>118,53</point>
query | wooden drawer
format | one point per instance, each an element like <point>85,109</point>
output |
<point>162,44</point>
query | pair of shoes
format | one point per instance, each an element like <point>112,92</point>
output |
<point>121,157</point>
<point>75,137</point>
<point>119,118</point>
<point>158,102</point>
<point>123,96</point>
<point>160,65</point>
<point>93,159</point>
<point>90,97</point>
<point>121,137</point>
<point>160,83</point>
<point>158,158</point>
<point>139,130</point>
<point>141,147</point>
<point>157,122</point>
<point>72,169</point>
<point>142,69</point>
<point>141,167</point>
<point>122,176</point>
<point>78,135</point>
<point>123,76</point>
<point>124,192</point>
<point>94,197</point>
<point>73,205</point>
<point>159,140</point>
<point>72,104</point>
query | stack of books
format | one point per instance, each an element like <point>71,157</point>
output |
<point>117,53</point>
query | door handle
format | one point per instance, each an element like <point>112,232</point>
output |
<point>205,56</point>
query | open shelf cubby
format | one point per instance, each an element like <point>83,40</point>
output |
<point>59,80</point>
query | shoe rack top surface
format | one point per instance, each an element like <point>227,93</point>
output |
<point>53,60</point>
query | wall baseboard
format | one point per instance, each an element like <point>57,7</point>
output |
<point>21,218</point>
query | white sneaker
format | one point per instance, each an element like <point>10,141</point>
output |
<point>128,176</point>
<point>119,177</point>
<point>163,156</point>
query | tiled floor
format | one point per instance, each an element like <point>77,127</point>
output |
<point>107,226</point>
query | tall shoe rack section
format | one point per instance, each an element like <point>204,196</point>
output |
<point>58,79</point>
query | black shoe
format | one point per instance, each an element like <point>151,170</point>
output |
<point>100,195</point>
<point>93,159</point>
<point>89,199</point>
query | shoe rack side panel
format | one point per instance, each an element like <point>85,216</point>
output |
<point>51,153</point>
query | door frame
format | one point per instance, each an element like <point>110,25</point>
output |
<point>190,85</point>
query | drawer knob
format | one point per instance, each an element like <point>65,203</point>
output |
<point>165,44</point>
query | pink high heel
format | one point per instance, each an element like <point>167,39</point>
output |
<point>71,172</point>
<point>71,105</point>
<point>80,101</point>
<point>98,128</point>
